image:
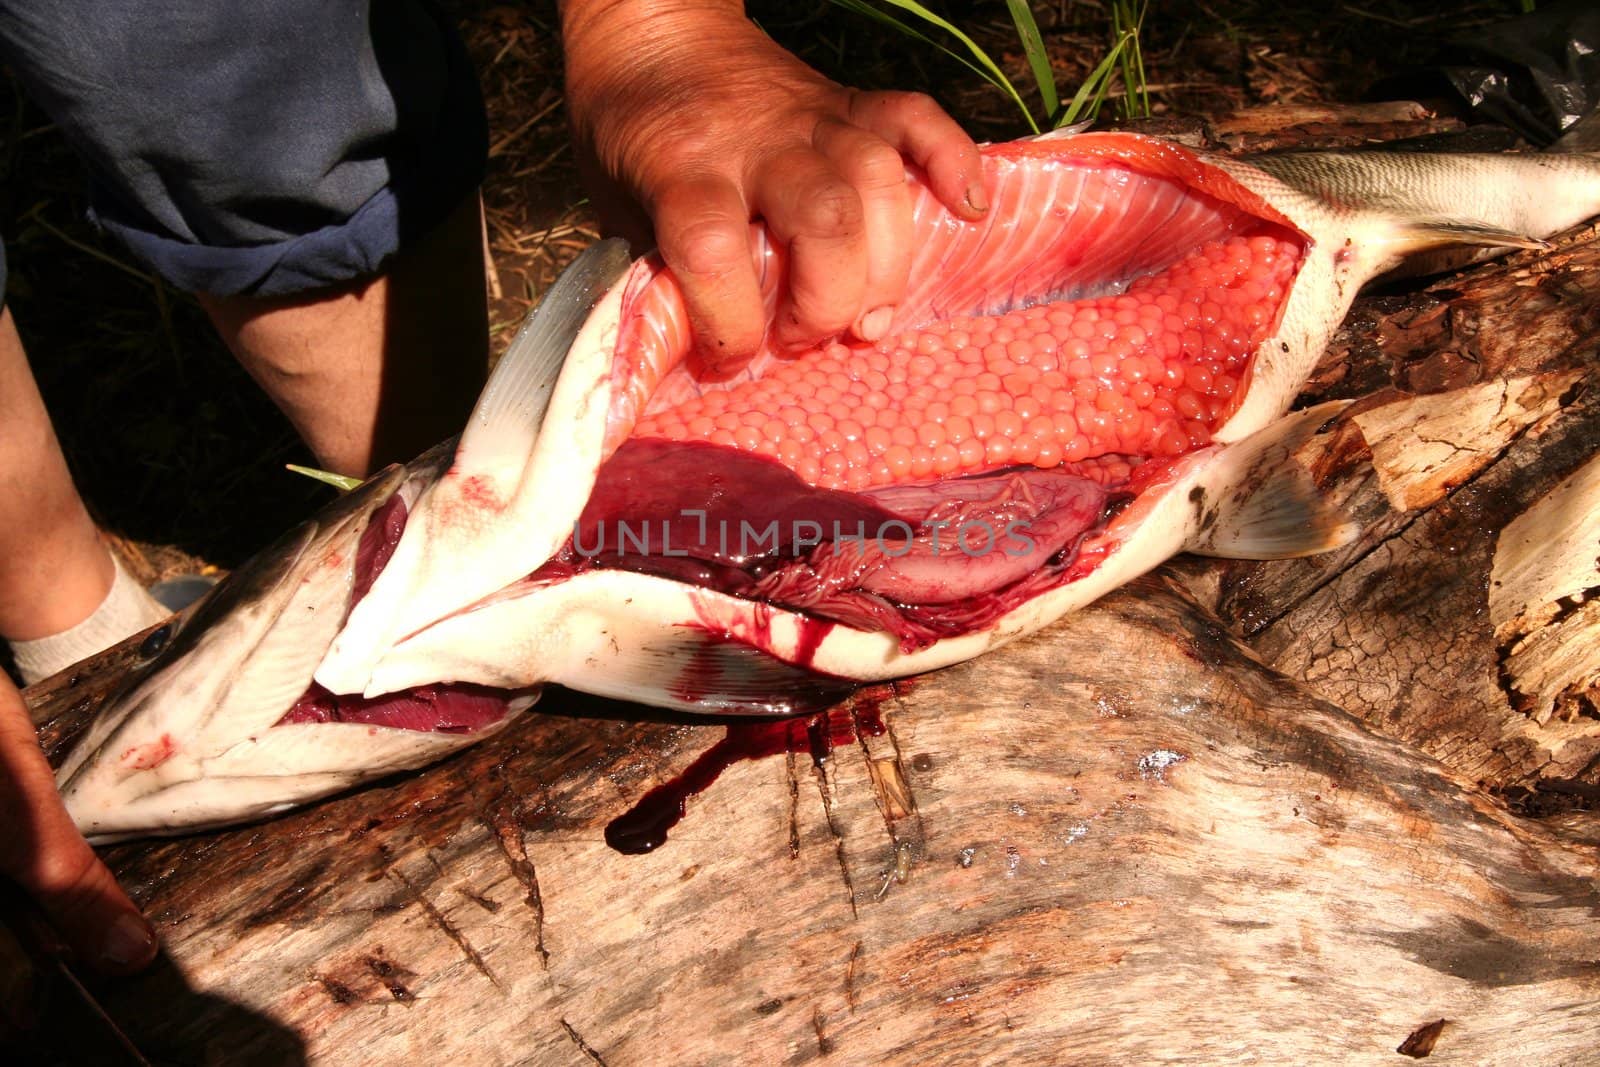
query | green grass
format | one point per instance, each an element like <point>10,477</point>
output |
<point>1123,60</point>
<point>342,482</point>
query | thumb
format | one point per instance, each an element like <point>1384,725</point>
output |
<point>83,903</point>
<point>43,853</point>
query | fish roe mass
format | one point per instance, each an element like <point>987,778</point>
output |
<point>1149,372</point>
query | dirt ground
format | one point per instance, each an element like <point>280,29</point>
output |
<point>181,457</point>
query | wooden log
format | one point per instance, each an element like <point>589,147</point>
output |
<point>1122,839</point>
<point>1462,621</point>
<point>1286,812</point>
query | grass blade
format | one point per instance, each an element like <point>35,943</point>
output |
<point>1092,93</point>
<point>1038,57</point>
<point>981,63</point>
<point>860,7</point>
<point>1126,22</point>
<point>342,482</point>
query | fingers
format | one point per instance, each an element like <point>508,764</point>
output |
<point>703,232</point>
<point>920,130</point>
<point>43,853</point>
<point>877,173</point>
<point>818,215</point>
<point>823,167</point>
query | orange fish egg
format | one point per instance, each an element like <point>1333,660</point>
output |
<point>1150,371</point>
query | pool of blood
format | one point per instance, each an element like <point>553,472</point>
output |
<point>644,827</point>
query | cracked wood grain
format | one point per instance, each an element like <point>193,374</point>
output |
<point>819,773</point>
<point>1542,590</point>
<point>582,1045</point>
<point>502,821</point>
<point>1407,627</point>
<point>445,926</point>
<point>1290,862</point>
<point>1424,446</point>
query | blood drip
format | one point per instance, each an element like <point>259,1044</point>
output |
<point>644,827</point>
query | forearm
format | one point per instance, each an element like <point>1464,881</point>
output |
<point>613,25</point>
<point>629,56</point>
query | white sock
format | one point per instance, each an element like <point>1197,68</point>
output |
<point>126,610</point>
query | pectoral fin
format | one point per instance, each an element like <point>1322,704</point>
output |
<point>511,408</point>
<point>455,546</point>
<point>1258,502</point>
<point>1435,233</point>
<point>701,672</point>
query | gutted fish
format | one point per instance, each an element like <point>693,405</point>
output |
<point>1089,381</point>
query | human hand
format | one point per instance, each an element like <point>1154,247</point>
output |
<point>43,853</point>
<point>697,117</point>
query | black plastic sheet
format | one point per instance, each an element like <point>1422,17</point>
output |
<point>1538,74</point>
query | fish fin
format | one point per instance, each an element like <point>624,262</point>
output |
<point>1431,233</point>
<point>506,420</point>
<point>691,670</point>
<point>1258,502</point>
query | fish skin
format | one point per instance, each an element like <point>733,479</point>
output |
<point>1365,212</point>
<point>516,490</point>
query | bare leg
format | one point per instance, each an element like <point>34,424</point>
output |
<point>53,569</point>
<point>368,374</point>
<point>376,372</point>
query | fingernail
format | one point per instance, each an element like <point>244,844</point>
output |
<point>875,323</point>
<point>977,199</point>
<point>129,943</point>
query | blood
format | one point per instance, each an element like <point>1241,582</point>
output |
<point>812,631</point>
<point>743,524</point>
<point>444,708</point>
<point>479,493</point>
<point>454,708</point>
<point>644,827</point>
<point>377,545</point>
<point>672,500</point>
<point>149,756</point>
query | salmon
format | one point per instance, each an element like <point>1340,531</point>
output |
<point>1092,379</point>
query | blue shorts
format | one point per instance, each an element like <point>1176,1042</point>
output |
<point>262,148</point>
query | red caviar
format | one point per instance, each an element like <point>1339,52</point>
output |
<point>1149,372</point>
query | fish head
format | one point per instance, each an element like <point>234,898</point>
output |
<point>207,727</point>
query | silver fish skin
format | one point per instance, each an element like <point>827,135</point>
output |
<point>1367,212</point>
<point>193,740</point>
